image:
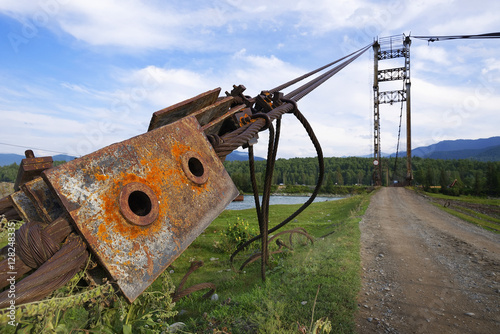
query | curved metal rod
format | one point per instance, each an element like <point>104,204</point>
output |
<point>254,257</point>
<point>181,293</point>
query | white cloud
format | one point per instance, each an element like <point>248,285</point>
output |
<point>471,18</point>
<point>131,24</point>
<point>259,44</point>
<point>137,25</point>
<point>449,112</point>
<point>91,118</point>
<point>438,55</point>
<point>121,23</point>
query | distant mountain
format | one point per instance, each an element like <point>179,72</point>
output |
<point>9,158</point>
<point>382,154</point>
<point>240,156</point>
<point>485,149</point>
<point>489,154</point>
<point>63,157</point>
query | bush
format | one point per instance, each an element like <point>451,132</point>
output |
<point>234,236</point>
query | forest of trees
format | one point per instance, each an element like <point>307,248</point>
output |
<point>8,173</point>
<point>473,177</point>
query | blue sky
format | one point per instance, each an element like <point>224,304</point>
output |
<point>79,75</point>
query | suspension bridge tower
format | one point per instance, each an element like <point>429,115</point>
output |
<point>387,48</point>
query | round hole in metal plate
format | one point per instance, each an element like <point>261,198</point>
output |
<point>138,204</point>
<point>196,167</point>
<point>193,166</point>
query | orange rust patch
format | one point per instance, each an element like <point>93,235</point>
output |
<point>101,177</point>
<point>110,203</point>
<point>103,233</point>
<point>178,149</point>
<point>155,176</point>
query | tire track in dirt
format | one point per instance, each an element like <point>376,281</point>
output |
<point>425,271</point>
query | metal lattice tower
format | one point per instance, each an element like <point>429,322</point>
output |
<point>389,48</point>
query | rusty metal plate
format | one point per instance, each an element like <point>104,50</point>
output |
<point>215,125</point>
<point>31,168</point>
<point>183,109</point>
<point>140,203</point>
<point>24,206</point>
<point>5,203</point>
<point>213,111</point>
<point>44,201</point>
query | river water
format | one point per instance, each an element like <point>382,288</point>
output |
<point>249,202</point>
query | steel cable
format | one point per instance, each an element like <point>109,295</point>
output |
<point>302,91</point>
<point>53,274</point>
<point>35,245</point>
<point>294,81</point>
<point>321,174</point>
<point>276,113</point>
<point>57,231</point>
<point>241,136</point>
<point>490,35</point>
<point>181,293</point>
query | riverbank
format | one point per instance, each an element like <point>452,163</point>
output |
<point>248,201</point>
<point>333,191</point>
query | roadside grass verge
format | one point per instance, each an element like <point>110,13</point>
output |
<point>314,285</point>
<point>467,199</point>
<point>479,211</point>
<point>473,217</point>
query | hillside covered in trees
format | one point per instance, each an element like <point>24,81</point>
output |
<point>473,177</point>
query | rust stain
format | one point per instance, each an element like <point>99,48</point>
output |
<point>101,177</point>
<point>103,233</point>
<point>154,177</point>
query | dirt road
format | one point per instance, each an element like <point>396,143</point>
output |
<point>425,271</point>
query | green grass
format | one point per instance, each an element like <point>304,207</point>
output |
<point>473,217</point>
<point>324,277</point>
<point>488,222</point>
<point>480,215</point>
<point>467,199</point>
<point>247,305</point>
